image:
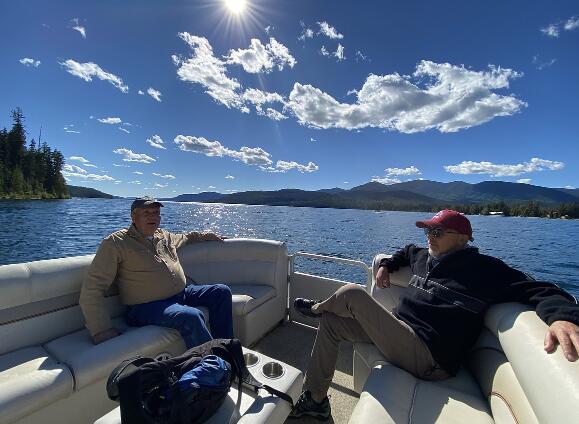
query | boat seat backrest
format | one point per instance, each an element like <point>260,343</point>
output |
<point>40,301</point>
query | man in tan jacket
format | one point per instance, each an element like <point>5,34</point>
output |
<point>143,260</point>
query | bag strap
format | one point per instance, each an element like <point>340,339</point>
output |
<point>113,380</point>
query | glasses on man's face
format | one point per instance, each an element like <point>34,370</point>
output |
<point>437,232</point>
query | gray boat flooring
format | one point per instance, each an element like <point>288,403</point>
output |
<point>292,343</point>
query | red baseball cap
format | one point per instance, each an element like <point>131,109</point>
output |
<point>451,220</point>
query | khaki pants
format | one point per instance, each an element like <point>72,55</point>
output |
<point>351,314</point>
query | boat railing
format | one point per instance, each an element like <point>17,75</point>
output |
<point>325,258</point>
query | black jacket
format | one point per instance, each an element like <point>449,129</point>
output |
<point>446,304</point>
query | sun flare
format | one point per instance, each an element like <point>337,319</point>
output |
<point>236,6</point>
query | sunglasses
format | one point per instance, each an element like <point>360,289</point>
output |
<point>437,232</point>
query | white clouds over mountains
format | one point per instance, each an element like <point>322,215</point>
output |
<point>249,155</point>
<point>452,99</point>
<point>504,170</point>
<point>437,96</point>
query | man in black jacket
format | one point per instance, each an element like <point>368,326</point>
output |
<point>439,317</point>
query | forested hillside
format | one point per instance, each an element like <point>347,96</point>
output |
<point>29,170</point>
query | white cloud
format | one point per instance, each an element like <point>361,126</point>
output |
<point>313,139</point>
<point>248,155</point>
<point>339,53</point>
<point>141,93</point>
<point>210,72</point>
<point>259,58</point>
<point>361,56</point>
<point>268,29</point>
<point>540,65</point>
<point>26,61</point>
<point>110,121</point>
<point>452,98</point>
<point>73,171</point>
<point>205,69</point>
<point>524,181</point>
<point>386,180</point>
<point>157,185</point>
<point>70,129</point>
<point>129,156</point>
<point>411,170</point>
<point>571,24</point>
<point>81,30</point>
<point>155,94</point>
<point>73,168</point>
<point>329,31</point>
<point>135,182</point>
<point>88,70</point>
<point>167,177</point>
<point>551,30</point>
<point>156,142</point>
<point>85,162</point>
<point>570,187</point>
<point>324,52</point>
<point>124,130</point>
<point>75,25</point>
<point>211,187</point>
<point>229,177</point>
<point>283,166</point>
<point>137,172</point>
<point>306,32</point>
<point>504,170</point>
<point>274,114</point>
<point>258,98</point>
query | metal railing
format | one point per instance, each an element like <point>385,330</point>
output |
<point>351,262</point>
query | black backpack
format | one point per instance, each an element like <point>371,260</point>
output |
<point>161,392</point>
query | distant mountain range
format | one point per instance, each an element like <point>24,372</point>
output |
<point>410,195</point>
<point>416,195</point>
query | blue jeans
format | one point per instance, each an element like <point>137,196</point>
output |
<point>180,312</point>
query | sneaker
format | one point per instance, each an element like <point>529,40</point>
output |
<point>304,307</point>
<point>306,406</point>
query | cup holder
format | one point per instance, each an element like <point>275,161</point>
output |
<point>250,359</point>
<point>273,370</point>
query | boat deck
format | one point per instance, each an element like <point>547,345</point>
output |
<point>292,343</point>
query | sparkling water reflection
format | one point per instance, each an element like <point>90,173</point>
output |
<point>35,230</point>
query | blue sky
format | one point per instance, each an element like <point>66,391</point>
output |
<point>169,97</point>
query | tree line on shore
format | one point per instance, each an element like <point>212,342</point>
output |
<point>29,171</point>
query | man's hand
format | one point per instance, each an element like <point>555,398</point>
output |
<point>383,277</point>
<point>106,335</point>
<point>567,335</point>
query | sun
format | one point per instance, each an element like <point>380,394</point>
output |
<point>236,6</point>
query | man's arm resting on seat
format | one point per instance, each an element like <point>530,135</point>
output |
<point>101,275</point>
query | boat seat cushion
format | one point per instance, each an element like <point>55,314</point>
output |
<point>90,363</point>
<point>31,379</point>
<point>247,297</point>
<point>392,395</point>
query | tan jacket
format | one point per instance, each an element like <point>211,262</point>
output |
<point>146,270</point>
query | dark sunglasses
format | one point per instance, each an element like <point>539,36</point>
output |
<point>437,232</point>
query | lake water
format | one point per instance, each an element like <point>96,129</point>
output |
<point>34,230</point>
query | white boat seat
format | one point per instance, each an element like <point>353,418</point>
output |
<point>90,363</point>
<point>392,395</point>
<point>247,297</point>
<point>31,379</point>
